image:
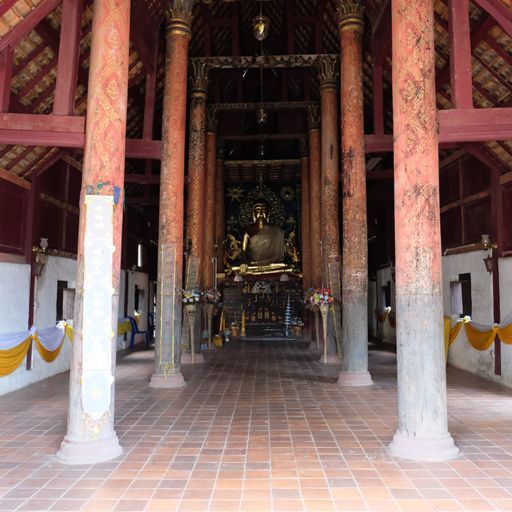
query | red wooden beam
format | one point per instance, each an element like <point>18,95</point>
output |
<point>143,149</point>
<point>479,34</point>
<point>460,54</point>
<point>13,178</point>
<point>143,35</point>
<point>381,34</point>
<point>142,179</point>
<point>5,5</point>
<point>36,130</point>
<point>499,12</point>
<point>466,125</point>
<point>19,31</point>
<point>68,124</point>
<point>149,99</point>
<point>6,68</point>
<point>51,38</point>
<point>69,52</point>
<point>41,138</point>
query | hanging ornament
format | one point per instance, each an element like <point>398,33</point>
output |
<point>260,26</point>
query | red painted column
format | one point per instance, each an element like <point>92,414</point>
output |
<point>354,339</point>
<point>172,186</point>
<point>328,75</point>
<point>90,433</point>
<point>209,204</point>
<point>196,174</point>
<point>305,209</point>
<point>219,207</point>
<point>6,69</point>
<point>423,428</point>
<point>315,196</point>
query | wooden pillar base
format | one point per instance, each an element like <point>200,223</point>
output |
<point>82,451</point>
<point>416,448</point>
<point>173,380</point>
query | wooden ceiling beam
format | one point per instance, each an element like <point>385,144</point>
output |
<point>501,14</point>
<point>460,54</point>
<point>6,5</point>
<point>13,178</point>
<point>19,31</point>
<point>266,61</point>
<point>68,60</point>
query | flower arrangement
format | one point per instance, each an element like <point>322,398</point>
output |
<point>320,297</point>
<point>211,296</point>
<point>191,296</point>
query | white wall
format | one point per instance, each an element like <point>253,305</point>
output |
<point>462,354</point>
<point>14,296</point>
<point>505,268</point>
<point>14,290</point>
<point>56,269</point>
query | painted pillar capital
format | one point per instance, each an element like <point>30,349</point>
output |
<point>212,120</point>
<point>179,17</point>
<point>199,79</point>
<point>328,72</point>
<point>313,117</point>
<point>350,15</point>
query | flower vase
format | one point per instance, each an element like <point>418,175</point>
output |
<point>209,317</point>
<point>190,311</point>
<point>324,310</point>
<point>316,316</point>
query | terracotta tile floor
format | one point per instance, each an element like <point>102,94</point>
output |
<point>258,428</point>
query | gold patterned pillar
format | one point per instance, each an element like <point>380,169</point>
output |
<point>172,186</point>
<point>209,204</point>
<point>422,432</point>
<point>305,209</point>
<point>328,77</point>
<point>354,338</point>
<point>219,206</point>
<point>90,435</point>
<point>315,194</point>
<point>196,174</point>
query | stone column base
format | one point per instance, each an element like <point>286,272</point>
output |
<point>78,451</point>
<point>355,379</point>
<point>414,448</point>
<point>332,360</point>
<point>173,380</point>
<point>187,358</point>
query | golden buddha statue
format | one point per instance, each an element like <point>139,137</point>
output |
<point>263,248</point>
<point>262,243</point>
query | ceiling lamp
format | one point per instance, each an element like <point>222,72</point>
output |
<point>261,115</point>
<point>260,25</point>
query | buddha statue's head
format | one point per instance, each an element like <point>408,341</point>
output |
<point>261,213</point>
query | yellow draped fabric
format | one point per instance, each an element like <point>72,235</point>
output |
<point>447,329</point>
<point>47,355</point>
<point>505,334</point>
<point>480,340</point>
<point>123,327</point>
<point>12,358</point>
<point>69,332</point>
<point>382,315</point>
<point>454,332</point>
